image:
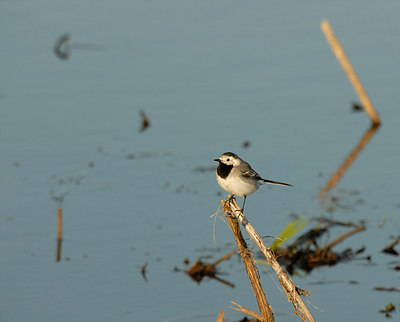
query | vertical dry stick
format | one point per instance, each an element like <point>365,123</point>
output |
<point>293,296</point>
<point>248,261</point>
<point>342,58</point>
<point>59,233</point>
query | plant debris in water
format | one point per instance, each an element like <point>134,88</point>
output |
<point>388,310</point>
<point>307,251</point>
<point>389,249</point>
<point>201,269</point>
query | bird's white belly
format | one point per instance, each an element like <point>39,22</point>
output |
<point>239,187</point>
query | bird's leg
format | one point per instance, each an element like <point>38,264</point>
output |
<point>244,201</point>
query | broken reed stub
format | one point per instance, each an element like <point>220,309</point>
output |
<point>59,224</point>
<point>59,234</point>
<point>348,69</point>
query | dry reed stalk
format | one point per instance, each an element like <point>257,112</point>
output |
<point>231,207</point>
<point>389,249</point>
<point>59,233</point>
<point>221,316</point>
<point>59,224</point>
<point>343,237</point>
<point>246,311</point>
<point>248,261</point>
<point>348,69</point>
<point>224,258</point>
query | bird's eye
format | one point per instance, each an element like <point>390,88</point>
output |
<point>228,159</point>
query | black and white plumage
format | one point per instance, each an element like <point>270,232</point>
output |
<point>238,178</point>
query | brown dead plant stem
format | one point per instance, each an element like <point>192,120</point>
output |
<point>348,69</point>
<point>343,237</point>
<point>233,211</point>
<point>59,234</point>
<point>248,261</point>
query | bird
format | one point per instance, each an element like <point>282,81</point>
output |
<point>237,177</point>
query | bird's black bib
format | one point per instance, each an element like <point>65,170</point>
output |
<point>223,170</point>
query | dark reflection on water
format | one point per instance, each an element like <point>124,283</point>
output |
<point>337,175</point>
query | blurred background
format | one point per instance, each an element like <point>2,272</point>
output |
<point>255,78</point>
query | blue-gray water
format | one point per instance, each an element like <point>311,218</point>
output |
<point>209,75</point>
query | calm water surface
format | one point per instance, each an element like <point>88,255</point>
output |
<point>209,75</point>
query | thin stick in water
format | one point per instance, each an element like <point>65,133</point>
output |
<point>348,69</point>
<point>59,233</point>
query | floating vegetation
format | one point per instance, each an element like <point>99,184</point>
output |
<point>307,252</point>
<point>200,270</point>
<point>388,310</point>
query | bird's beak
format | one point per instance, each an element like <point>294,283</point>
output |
<point>216,160</point>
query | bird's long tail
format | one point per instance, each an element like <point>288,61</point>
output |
<point>264,181</point>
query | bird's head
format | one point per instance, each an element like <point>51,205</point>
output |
<point>229,158</point>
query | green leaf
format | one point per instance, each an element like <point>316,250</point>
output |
<point>291,229</point>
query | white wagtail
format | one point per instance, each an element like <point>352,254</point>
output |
<point>238,178</point>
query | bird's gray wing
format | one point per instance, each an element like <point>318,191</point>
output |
<point>250,173</point>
